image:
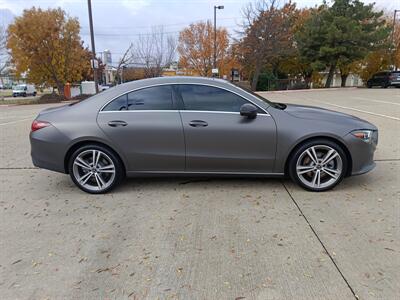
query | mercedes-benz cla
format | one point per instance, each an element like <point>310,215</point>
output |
<point>197,126</point>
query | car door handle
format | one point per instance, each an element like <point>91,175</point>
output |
<point>117,123</point>
<point>198,123</point>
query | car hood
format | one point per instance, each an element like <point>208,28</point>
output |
<point>322,114</point>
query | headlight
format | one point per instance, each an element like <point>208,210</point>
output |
<point>365,135</point>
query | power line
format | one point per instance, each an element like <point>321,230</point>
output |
<point>162,25</point>
<point>140,34</point>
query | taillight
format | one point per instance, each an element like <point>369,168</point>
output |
<point>36,125</point>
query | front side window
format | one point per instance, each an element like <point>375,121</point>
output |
<point>209,98</point>
<point>152,98</point>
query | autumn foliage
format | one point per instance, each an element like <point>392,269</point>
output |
<point>196,49</point>
<point>46,45</point>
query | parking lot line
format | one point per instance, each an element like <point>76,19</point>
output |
<point>13,122</point>
<point>15,116</point>
<point>377,101</point>
<point>362,111</point>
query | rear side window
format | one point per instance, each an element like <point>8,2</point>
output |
<point>208,98</point>
<point>152,98</point>
<point>117,104</point>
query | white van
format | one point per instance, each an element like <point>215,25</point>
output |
<point>24,90</point>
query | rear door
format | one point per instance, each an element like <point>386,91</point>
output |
<point>218,138</point>
<point>146,126</point>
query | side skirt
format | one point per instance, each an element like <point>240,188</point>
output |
<point>200,174</point>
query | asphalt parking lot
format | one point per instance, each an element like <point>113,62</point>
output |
<point>203,239</point>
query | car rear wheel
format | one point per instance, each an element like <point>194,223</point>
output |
<point>95,169</point>
<point>318,165</point>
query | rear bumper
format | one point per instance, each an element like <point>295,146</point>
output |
<point>362,154</point>
<point>47,149</point>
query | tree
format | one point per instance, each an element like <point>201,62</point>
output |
<point>196,49</point>
<point>294,64</point>
<point>46,45</point>
<point>396,45</point>
<point>374,62</point>
<point>123,61</point>
<point>348,31</point>
<point>268,35</point>
<point>154,51</point>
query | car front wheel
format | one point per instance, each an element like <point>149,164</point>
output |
<point>95,169</point>
<point>318,165</point>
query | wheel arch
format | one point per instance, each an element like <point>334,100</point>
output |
<point>79,144</point>
<point>329,138</point>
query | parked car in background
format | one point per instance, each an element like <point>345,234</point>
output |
<point>198,126</point>
<point>24,90</point>
<point>103,87</point>
<point>384,79</point>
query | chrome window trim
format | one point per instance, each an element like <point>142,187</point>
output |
<point>174,83</point>
<point>181,111</point>
<point>136,111</point>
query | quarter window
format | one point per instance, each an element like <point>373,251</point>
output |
<point>208,98</point>
<point>118,104</point>
<point>152,98</point>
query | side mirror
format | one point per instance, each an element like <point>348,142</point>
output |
<point>248,110</point>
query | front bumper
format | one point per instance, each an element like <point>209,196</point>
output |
<point>362,153</point>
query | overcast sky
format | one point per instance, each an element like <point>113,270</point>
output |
<point>118,22</point>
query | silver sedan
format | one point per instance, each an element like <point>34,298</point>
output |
<point>198,127</point>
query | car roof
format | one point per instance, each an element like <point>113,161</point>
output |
<point>116,91</point>
<point>137,84</point>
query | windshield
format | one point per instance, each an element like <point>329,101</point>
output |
<point>20,87</point>
<point>273,104</point>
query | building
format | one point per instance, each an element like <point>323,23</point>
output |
<point>109,72</point>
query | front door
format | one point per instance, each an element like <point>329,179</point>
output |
<point>147,128</point>
<point>219,139</point>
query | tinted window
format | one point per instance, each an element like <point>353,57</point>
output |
<point>118,104</point>
<point>208,98</point>
<point>153,98</point>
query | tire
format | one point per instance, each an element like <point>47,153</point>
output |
<point>329,175</point>
<point>24,95</point>
<point>385,85</point>
<point>369,85</point>
<point>99,178</point>
<point>34,94</point>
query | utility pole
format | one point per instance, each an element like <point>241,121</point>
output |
<point>392,43</point>
<point>93,47</point>
<point>215,33</point>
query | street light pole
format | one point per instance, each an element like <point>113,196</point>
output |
<point>93,47</point>
<point>392,43</point>
<point>215,33</point>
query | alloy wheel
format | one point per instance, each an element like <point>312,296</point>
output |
<point>319,167</point>
<point>94,170</point>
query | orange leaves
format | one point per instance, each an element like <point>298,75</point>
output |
<point>196,48</point>
<point>46,44</point>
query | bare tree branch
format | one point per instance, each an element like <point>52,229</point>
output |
<point>154,51</point>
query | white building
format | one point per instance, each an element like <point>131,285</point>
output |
<point>109,72</point>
